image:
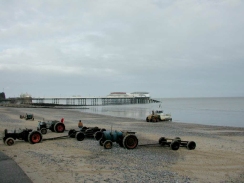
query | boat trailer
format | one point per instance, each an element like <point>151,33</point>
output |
<point>174,144</point>
<point>88,132</point>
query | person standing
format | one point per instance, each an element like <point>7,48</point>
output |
<point>80,124</point>
<point>62,120</point>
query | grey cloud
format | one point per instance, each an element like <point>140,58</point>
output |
<point>193,47</point>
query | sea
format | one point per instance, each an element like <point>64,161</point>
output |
<point>217,111</point>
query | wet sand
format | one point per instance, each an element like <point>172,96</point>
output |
<point>218,157</point>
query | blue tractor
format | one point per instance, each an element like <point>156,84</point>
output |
<point>126,139</point>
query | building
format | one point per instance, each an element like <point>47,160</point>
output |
<point>128,95</point>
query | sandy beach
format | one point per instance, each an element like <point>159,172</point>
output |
<point>218,157</point>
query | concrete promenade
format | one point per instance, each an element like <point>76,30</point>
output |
<point>10,172</point>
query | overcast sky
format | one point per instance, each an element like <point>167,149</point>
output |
<point>169,48</point>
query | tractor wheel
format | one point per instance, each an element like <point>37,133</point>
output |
<point>9,141</point>
<point>130,141</point>
<point>98,135</point>
<point>156,119</point>
<point>108,144</point>
<point>153,119</point>
<point>177,139</point>
<point>72,133</point>
<point>101,141</point>
<point>147,120</point>
<point>59,127</point>
<point>44,131</point>
<point>191,145</point>
<point>80,136</point>
<point>175,145</point>
<point>34,137</point>
<point>162,141</point>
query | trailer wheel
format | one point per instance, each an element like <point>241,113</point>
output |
<point>108,144</point>
<point>175,145</point>
<point>80,136</point>
<point>35,137</point>
<point>98,135</point>
<point>59,127</point>
<point>71,133</point>
<point>84,128</point>
<point>162,141</point>
<point>44,131</point>
<point>191,145</point>
<point>101,141</point>
<point>130,141</point>
<point>177,139</point>
<point>9,141</point>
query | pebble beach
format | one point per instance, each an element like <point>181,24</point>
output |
<point>218,157</point>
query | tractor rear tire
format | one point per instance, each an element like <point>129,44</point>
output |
<point>130,141</point>
<point>59,127</point>
<point>79,136</point>
<point>34,137</point>
<point>153,119</point>
<point>108,144</point>
<point>9,141</point>
<point>191,145</point>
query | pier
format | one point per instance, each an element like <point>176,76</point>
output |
<point>114,98</point>
<point>92,101</point>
